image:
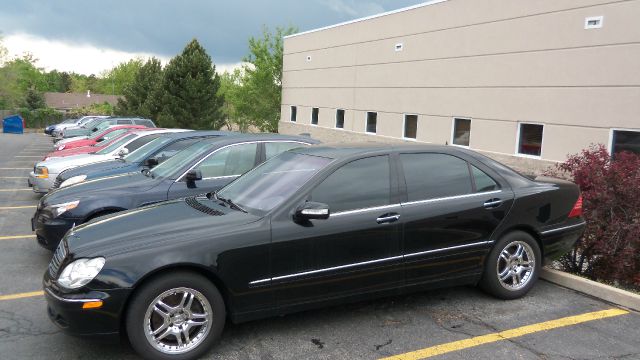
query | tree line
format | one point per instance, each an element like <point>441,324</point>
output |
<point>186,93</point>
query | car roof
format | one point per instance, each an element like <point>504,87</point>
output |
<point>199,133</point>
<point>340,151</point>
<point>244,137</point>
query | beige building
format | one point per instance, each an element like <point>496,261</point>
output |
<point>526,82</point>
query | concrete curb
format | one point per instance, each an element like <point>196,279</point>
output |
<point>605,292</point>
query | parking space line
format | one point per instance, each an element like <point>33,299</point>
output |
<point>18,207</point>
<point>28,156</point>
<point>16,168</point>
<point>17,237</point>
<point>21,295</point>
<point>8,190</point>
<point>507,334</point>
<point>13,177</point>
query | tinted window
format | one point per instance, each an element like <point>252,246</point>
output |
<point>340,119</point>
<point>137,143</point>
<point>372,122</point>
<point>411,126</point>
<point>483,181</point>
<point>314,116</point>
<point>461,131</point>
<point>294,114</point>
<point>626,141</point>
<point>274,148</point>
<point>430,176</point>
<point>173,149</point>
<point>232,160</point>
<point>359,184</point>
<point>124,122</point>
<point>530,142</point>
<point>143,122</point>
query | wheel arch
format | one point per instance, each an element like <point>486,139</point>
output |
<point>529,230</point>
<point>195,268</point>
<point>103,211</point>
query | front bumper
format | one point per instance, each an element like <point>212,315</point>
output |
<point>66,311</point>
<point>49,230</point>
<point>40,185</point>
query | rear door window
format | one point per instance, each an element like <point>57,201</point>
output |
<point>230,161</point>
<point>359,184</point>
<point>483,181</point>
<point>431,176</point>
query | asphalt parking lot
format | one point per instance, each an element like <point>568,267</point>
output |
<point>457,323</point>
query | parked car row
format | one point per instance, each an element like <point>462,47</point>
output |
<point>192,229</point>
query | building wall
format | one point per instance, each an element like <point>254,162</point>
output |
<point>496,62</point>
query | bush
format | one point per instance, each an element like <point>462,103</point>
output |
<point>39,118</point>
<point>609,250</point>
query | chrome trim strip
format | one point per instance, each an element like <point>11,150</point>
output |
<point>563,228</point>
<point>449,248</point>
<point>357,211</point>
<point>57,297</point>
<point>311,272</point>
<point>451,198</point>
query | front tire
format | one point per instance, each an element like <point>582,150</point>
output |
<point>512,267</point>
<point>176,316</point>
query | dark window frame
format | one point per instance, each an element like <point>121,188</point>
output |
<point>315,115</point>
<point>404,127</point>
<point>612,141</point>
<point>519,140</point>
<point>293,113</point>
<point>453,131</point>
<point>344,113</point>
<point>366,122</point>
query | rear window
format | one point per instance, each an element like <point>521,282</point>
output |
<point>147,123</point>
<point>432,176</point>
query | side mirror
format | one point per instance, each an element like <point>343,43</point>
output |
<point>151,162</point>
<point>312,210</point>
<point>194,175</point>
<point>100,139</point>
<point>123,152</point>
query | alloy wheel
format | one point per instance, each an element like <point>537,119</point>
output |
<point>515,265</point>
<point>178,320</point>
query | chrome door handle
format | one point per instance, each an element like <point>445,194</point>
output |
<point>387,219</point>
<point>493,203</point>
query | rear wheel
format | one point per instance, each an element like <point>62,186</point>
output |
<point>512,266</point>
<point>175,316</point>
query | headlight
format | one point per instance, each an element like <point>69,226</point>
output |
<point>80,272</point>
<point>59,209</point>
<point>61,147</point>
<point>42,172</point>
<point>73,180</point>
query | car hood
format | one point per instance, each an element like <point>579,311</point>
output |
<point>58,164</point>
<point>155,225</point>
<point>98,169</point>
<point>71,139</point>
<point>132,182</point>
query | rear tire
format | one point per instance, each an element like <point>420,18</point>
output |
<point>177,316</point>
<point>512,267</point>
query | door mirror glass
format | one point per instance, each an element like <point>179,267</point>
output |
<point>100,139</point>
<point>312,210</point>
<point>194,175</point>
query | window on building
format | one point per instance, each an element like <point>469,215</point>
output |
<point>357,185</point>
<point>530,139</point>
<point>294,114</point>
<point>411,126</point>
<point>461,132</point>
<point>432,176</point>
<point>372,122</point>
<point>339,119</point>
<point>315,112</point>
<point>625,140</point>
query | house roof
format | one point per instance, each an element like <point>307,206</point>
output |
<point>77,100</point>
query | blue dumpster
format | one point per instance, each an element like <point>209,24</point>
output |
<point>13,125</point>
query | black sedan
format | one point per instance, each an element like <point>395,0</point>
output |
<point>311,227</point>
<point>146,157</point>
<point>207,165</point>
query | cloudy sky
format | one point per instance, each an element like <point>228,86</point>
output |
<point>89,36</point>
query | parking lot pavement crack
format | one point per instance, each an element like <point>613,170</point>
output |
<point>12,325</point>
<point>318,343</point>
<point>378,347</point>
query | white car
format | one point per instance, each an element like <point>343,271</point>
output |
<point>45,172</point>
<point>72,123</point>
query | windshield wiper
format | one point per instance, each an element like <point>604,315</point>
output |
<point>229,202</point>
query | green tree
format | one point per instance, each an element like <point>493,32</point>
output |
<point>116,80</point>
<point>259,99</point>
<point>34,99</point>
<point>231,90</point>
<point>137,99</point>
<point>189,91</point>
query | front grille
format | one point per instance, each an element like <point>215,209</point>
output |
<point>57,259</point>
<point>56,184</point>
<point>194,203</point>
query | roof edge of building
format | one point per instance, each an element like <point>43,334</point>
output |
<point>412,7</point>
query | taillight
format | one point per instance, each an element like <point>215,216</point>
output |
<point>577,208</point>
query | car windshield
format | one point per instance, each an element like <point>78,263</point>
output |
<point>116,143</point>
<point>186,156</point>
<point>145,150</point>
<point>69,121</point>
<point>268,185</point>
<point>96,135</point>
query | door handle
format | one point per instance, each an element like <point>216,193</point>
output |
<point>388,218</point>
<point>492,203</point>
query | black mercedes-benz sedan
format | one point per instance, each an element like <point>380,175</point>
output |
<point>207,165</point>
<point>311,227</point>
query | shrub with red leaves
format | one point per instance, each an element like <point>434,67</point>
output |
<point>609,250</point>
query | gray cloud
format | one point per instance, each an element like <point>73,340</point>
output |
<point>163,27</point>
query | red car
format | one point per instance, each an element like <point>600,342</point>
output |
<point>102,136</point>
<point>94,148</point>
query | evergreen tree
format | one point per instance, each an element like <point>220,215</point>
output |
<point>189,91</point>
<point>34,99</point>
<point>137,99</point>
